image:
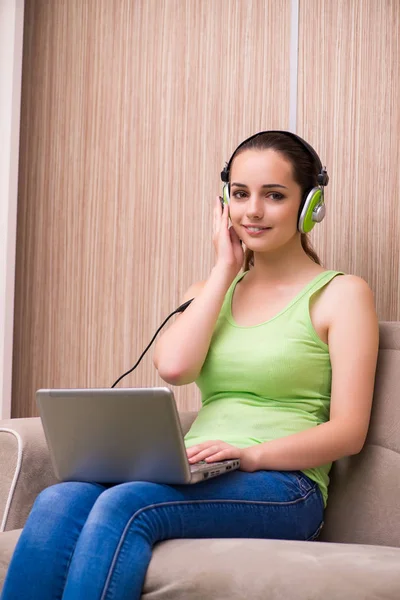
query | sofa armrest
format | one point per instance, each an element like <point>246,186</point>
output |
<point>25,469</point>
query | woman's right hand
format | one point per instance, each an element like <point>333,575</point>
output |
<point>227,244</point>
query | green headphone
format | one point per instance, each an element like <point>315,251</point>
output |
<point>312,207</point>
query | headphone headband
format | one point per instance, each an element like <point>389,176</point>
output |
<point>322,177</point>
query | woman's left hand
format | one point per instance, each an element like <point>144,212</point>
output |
<point>215,450</point>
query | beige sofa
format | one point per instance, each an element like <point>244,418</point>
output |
<point>357,556</point>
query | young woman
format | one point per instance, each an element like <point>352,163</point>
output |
<point>284,352</point>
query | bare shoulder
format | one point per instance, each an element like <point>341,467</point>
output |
<point>193,290</point>
<point>349,289</point>
<point>350,284</point>
<point>350,300</point>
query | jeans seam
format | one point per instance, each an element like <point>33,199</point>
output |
<point>316,532</point>
<point>186,502</point>
<point>67,569</point>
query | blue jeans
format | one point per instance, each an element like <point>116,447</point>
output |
<point>87,541</point>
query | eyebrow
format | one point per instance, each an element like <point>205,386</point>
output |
<point>266,185</point>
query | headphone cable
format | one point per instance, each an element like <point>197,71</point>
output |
<point>180,308</point>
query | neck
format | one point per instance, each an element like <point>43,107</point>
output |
<point>288,263</point>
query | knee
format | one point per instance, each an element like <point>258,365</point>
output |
<point>64,497</point>
<point>61,507</point>
<point>126,499</point>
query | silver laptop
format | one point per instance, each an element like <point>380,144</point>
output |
<point>117,435</point>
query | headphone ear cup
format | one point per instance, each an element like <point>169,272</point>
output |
<point>313,210</point>
<point>225,194</point>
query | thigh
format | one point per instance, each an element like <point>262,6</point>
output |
<point>273,504</point>
<point>263,504</point>
<point>260,486</point>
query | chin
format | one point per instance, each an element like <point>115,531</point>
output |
<point>270,245</point>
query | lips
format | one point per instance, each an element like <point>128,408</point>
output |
<point>255,227</point>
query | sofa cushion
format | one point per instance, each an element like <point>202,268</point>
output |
<point>271,570</point>
<point>261,570</point>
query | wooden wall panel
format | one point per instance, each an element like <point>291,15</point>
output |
<point>348,108</point>
<point>129,110</point>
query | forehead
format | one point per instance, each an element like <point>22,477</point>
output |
<point>261,166</point>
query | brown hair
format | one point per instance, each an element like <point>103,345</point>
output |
<point>305,171</point>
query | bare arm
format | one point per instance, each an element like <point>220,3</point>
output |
<point>180,352</point>
<point>313,447</point>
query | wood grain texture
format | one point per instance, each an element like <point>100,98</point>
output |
<point>348,108</point>
<point>129,111</point>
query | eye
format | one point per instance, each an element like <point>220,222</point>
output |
<point>239,194</point>
<point>276,196</point>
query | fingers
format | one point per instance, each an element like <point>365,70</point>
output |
<point>205,454</point>
<point>220,455</point>
<point>234,236</point>
<point>217,215</point>
<point>221,216</point>
<point>211,452</point>
<point>195,450</point>
<point>225,214</point>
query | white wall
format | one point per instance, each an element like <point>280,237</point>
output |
<point>11,34</point>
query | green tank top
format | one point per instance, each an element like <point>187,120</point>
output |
<point>266,381</point>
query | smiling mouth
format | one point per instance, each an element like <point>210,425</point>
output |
<point>255,229</point>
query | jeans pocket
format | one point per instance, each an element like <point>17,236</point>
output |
<point>316,533</point>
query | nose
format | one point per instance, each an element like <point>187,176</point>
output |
<point>255,207</point>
